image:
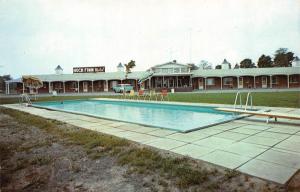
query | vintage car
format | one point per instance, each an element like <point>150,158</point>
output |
<point>120,88</point>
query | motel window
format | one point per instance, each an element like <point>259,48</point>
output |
<point>165,70</point>
<point>157,70</point>
<point>210,81</point>
<point>184,70</point>
<point>228,81</point>
<point>170,70</point>
<point>74,85</point>
<point>176,70</point>
<point>293,79</point>
<point>275,80</point>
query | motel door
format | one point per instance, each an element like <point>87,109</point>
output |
<point>200,83</point>
<point>241,83</point>
<point>264,82</point>
<point>85,86</point>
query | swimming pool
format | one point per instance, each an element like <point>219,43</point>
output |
<point>181,118</point>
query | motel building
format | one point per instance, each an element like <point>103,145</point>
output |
<point>171,76</point>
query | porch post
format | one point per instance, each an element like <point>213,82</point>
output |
<point>7,88</point>
<point>177,81</point>
<point>238,82</point>
<point>49,87</point>
<point>221,83</point>
<point>288,81</point>
<point>254,84</point>
<point>23,88</point>
<point>64,86</point>
<point>204,83</point>
<point>78,86</point>
<point>271,81</point>
<point>163,82</point>
<point>106,86</point>
<point>191,83</point>
<point>92,86</point>
<point>136,85</point>
<point>150,83</point>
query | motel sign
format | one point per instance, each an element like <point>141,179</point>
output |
<point>88,69</point>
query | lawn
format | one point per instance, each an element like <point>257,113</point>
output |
<point>271,99</point>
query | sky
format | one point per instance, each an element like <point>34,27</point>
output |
<point>36,36</point>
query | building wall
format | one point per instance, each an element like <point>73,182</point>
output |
<point>233,85</point>
<point>248,82</point>
<point>281,81</point>
<point>216,85</point>
<point>296,83</point>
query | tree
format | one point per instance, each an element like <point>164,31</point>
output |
<point>247,63</point>
<point>218,67</point>
<point>128,67</point>
<point>236,66</point>
<point>193,66</point>
<point>283,58</point>
<point>204,65</point>
<point>264,61</point>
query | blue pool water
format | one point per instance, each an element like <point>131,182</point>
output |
<point>176,117</point>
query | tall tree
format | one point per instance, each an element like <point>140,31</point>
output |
<point>205,65</point>
<point>193,66</point>
<point>236,66</point>
<point>128,68</point>
<point>264,61</point>
<point>283,58</point>
<point>247,63</point>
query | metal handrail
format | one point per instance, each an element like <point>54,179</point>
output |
<point>249,95</point>
<point>25,97</point>
<point>236,98</point>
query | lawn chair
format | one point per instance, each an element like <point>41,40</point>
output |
<point>131,94</point>
<point>141,94</point>
<point>164,95</point>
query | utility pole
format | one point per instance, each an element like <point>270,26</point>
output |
<point>190,44</point>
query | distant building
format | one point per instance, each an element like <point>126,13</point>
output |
<point>58,70</point>
<point>225,64</point>
<point>170,75</point>
<point>120,68</point>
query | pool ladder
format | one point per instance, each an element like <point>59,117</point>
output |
<point>26,98</point>
<point>238,96</point>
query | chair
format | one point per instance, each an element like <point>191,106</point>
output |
<point>131,94</point>
<point>141,94</point>
<point>164,95</point>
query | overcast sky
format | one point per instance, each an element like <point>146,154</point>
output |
<point>36,36</point>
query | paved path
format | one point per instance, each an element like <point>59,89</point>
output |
<point>269,151</point>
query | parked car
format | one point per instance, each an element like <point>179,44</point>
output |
<point>121,87</point>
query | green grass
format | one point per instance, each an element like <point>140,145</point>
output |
<point>271,99</point>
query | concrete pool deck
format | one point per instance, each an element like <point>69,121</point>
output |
<point>250,145</point>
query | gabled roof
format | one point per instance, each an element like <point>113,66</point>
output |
<point>120,65</point>
<point>169,63</point>
<point>296,58</point>
<point>58,67</point>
